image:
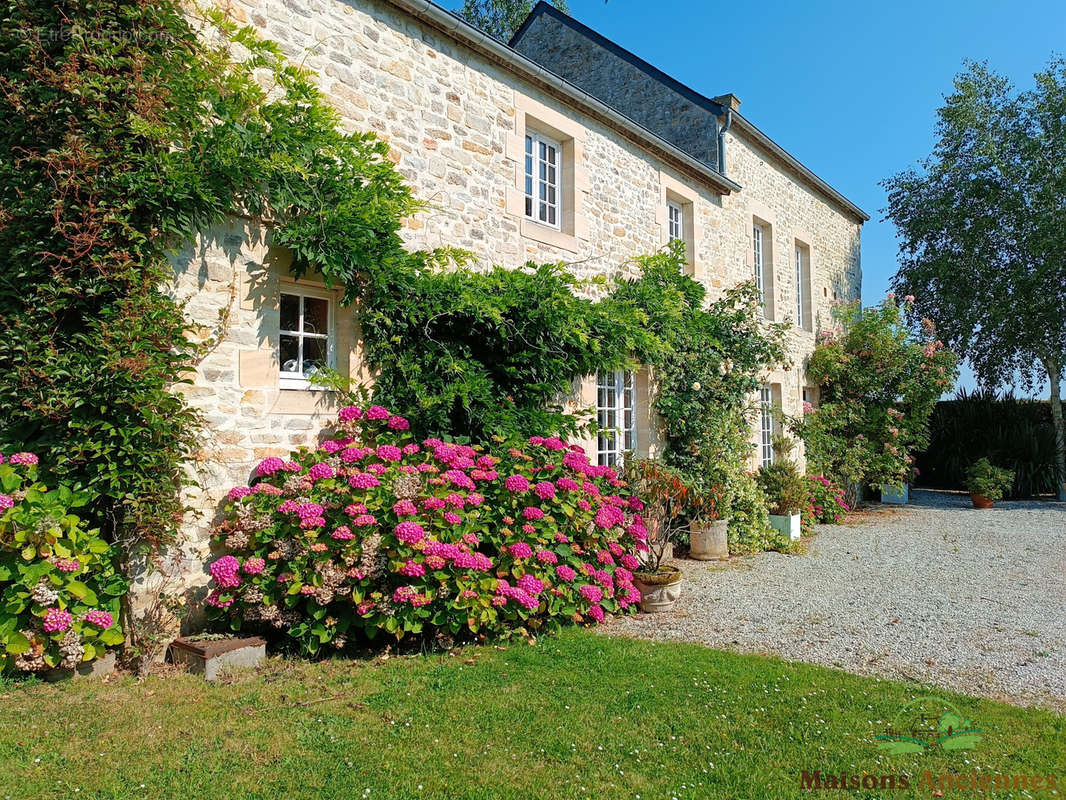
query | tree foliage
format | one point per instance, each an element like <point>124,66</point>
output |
<point>500,19</point>
<point>983,245</point>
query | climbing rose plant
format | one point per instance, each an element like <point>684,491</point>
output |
<point>59,592</point>
<point>878,384</point>
<point>374,532</point>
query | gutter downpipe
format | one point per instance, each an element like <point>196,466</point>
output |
<point>721,139</point>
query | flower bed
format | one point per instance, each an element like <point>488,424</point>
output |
<point>374,532</point>
<point>58,585</point>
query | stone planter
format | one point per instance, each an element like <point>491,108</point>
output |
<point>787,524</point>
<point>892,496</point>
<point>658,591</point>
<point>208,657</point>
<point>97,668</point>
<point>709,541</point>
<point>980,501</point>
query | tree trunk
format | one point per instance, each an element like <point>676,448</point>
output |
<point>1054,374</point>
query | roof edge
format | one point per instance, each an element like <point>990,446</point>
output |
<point>453,26</point>
<point>746,125</point>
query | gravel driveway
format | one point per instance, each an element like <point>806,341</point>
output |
<point>936,592</point>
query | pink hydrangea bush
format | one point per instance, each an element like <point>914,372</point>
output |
<point>826,502</point>
<point>371,532</point>
<point>59,590</point>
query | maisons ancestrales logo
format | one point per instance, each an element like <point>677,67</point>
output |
<point>928,725</point>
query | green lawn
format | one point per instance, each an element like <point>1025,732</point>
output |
<point>575,716</point>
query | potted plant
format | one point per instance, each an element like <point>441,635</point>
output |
<point>666,496</point>
<point>708,532</point>
<point>785,489</point>
<point>987,483</point>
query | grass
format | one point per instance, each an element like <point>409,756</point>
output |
<point>580,715</point>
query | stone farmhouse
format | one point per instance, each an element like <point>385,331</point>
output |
<point>561,146</point>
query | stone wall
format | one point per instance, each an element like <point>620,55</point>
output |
<point>454,122</point>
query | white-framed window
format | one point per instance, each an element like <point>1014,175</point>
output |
<point>766,426</point>
<point>616,416</point>
<point>543,168</point>
<point>758,239</point>
<point>803,287</point>
<point>306,342</point>
<point>675,221</point>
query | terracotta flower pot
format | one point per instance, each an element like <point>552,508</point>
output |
<point>980,501</point>
<point>659,590</point>
<point>709,541</point>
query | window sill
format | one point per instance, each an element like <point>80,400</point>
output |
<point>549,236</point>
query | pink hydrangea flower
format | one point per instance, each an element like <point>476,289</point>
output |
<point>533,512</point>
<point>268,466</point>
<point>267,488</point>
<point>475,499</point>
<point>350,413</point>
<point>101,619</point>
<point>398,424</point>
<point>409,532</point>
<point>412,569</point>
<point>26,459</point>
<point>67,564</point>
<point>521,550</point>
<point>253,565</point>
<point>237,492</point>
<point>566,485</point>
<point>629,562</point>
<point>6,502</point>
<point>355,509</point>
<point>565,572</point>
<point>459,478</point>
<point>547,557</point>
<point>343,534</point>
<point>225,572</point>
<point>377,412</point>
<point>596,612</point>
<point>545,490</point>
<point>320,471</point>
<point>56,620</point>
<point>531,585</point>
<point>411,449</point>
<point>404,508</point>
<point>593,594</point>
<point>363,480</point>
<point>388,452</point>
<point>452,518</point>
<point>215,599</point>
<point>516,483</point>
<point>363,520</point>
<point>529,528</point>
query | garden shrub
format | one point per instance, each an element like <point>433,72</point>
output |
<point>826,500</point>
<point>878,383</point>
<point>749,519</point>
<point>59,589</point>
<point>373,533</point>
